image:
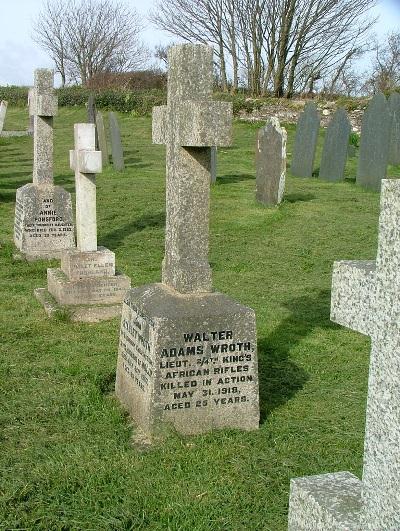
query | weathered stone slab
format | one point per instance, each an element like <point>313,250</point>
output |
<point>102,138</point>
<point>373,292</point>
<point>3,112</point>
<point>43,225</point>
<point>394,109</point>
<point>187,361</point>
<point>374,144</point>
<point>116,143</point>
<point>271,163</point>
<point>188,357</point>
<point>334,153</point>
<point>305,142</point>
<point>85,291</point>
<point>80,265</point>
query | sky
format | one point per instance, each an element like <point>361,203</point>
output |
<point>19,55</point>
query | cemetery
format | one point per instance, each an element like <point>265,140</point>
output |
<point>199,292</point>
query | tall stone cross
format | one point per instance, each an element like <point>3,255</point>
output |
<point>190,124</point>
<point>366,298</point>
<point>43,106</point>
<point>86,162</point>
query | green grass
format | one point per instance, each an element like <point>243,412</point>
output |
<point>67,461</point>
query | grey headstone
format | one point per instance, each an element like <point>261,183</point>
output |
<point>305,142</point>
<point>43,225</point>
<point>334,153</point>
<point>3,111</point>
<point>394,108</point>
<point>271,163</point>
<point>101,135</point>
<point>116,143</point>
<point>91,113</point>
<point>374,143</point>
<point>213,177</point>
<point>187,355</point>
<point>87,274</point>
<point>365,298</point>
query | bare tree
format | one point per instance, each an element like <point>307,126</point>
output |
<point>87,37</point>
<point>386,66</point>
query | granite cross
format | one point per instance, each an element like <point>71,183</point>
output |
<point>366,298</point>
<point>86,162</point>
<point>190,124</point>
<point>43,106</point>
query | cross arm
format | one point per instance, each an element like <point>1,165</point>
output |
<point>353,286</point>
<point>89,161</point>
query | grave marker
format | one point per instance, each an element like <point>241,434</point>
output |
<point>117,152</point>
<point>101,135</point>
<point>43,225</point>
<point>374,144</point>
<point>86,283</point>
<point>305,142</point>
<point>365,297</point>
<point>271,163</point>
<point>3,111</point>
<point>336,146</point>
<point>394,109</point>
<point>187,355</point>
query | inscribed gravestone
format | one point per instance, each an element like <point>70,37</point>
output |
<point>305,142</point>
<point>394,109</point>
<point>3,111</point>
<point>117,152</point>
<point>43,225</point>
<point>365,297</point>
<point>271,163</point>
<point>101,135</point>
<point>187,355</point>
<point>374,144</point>
<point>86,283</point>
<point>336,145</point>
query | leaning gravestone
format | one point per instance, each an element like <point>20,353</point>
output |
<point>365,297</point>
<point>86,283</point>
<point>43,225</point>
<point>102,139</point>
<point>394,109</point>
<point>271,163</point>
<point>117,152</point>
<point>187,355</point>
<point>374,144</point>
<point>336,146</point>
<point>305,142</point>
<point>3,111</point>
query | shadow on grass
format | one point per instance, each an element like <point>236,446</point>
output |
<point>298,197</point>
<point>234,178</point>
<point>280,378</point>
<point>114,238</point>
<point>7,197</point>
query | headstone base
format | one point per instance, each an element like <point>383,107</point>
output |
<point>82,313</point>
<point>88,264</point>
<point>97,290</point>
<point>43,226</point>
<point>331,502</point>
<point>188,362</point>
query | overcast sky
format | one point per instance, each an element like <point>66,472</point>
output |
<point>19,55</point>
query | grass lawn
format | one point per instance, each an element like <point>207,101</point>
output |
<point>66,459</point>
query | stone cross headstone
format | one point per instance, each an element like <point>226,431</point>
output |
<point>365,297</point>
<point>117,152</point>
<point>3,111</point>
<point>271,163</point>
<point>305,142</point>
<point>43,212</point>
<point>101,135</point>
<point>394,109</point>
<point>87,283</point>
<point>374,144</point>
<point>187,355</point>
<point>336,146</point>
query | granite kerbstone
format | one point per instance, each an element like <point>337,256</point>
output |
<point>117,151</point>
<point>394,109</point>
<point>305,142</point>
<point>187,361</point>
<point>374,144</point>
<point>271,163</point>
<point>335,150</point>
